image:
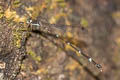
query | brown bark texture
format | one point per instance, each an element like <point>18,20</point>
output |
<point>34,37</point>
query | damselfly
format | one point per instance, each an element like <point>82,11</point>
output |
<point>47,29</point>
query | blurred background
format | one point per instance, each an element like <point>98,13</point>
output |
<point>100,39</point>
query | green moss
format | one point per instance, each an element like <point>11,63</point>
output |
<point>34,56</point>
<point>61,3</point>
<point>17,33</point>
<point>17,38</point>
<point>16,3</point>
<point>84,22</point>
<point>1,12</point>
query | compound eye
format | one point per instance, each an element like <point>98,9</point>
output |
<point>21,22</point>
<point>29,20</point>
